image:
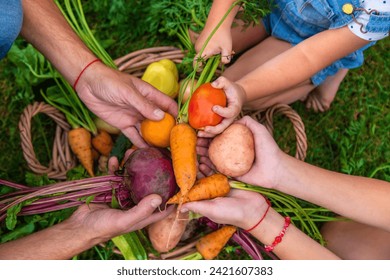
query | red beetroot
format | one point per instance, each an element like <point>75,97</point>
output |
<point>149,171</point>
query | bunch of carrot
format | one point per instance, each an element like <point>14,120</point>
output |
<point>89,147</point>
<point>86,141</point>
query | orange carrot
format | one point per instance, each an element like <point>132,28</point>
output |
<point>209,187</point>
<point>210,245</point>
<point>80,142</point>
<point>183,151</point>
<point>103,143</point>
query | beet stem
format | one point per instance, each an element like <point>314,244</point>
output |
<point>67,186</point>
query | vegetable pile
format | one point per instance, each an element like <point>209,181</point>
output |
<point>168,167</point>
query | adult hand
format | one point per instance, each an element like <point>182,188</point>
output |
<point>265,169</point>
<point>88,226</point>
<point>240,208</point>
<point>99,222</point>
<point>205,166</point>
<point>123,100</point>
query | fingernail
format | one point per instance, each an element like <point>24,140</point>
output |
<point>155,202</point>
<point>159,113</point>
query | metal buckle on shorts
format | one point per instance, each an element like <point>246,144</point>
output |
<point>349,9</point>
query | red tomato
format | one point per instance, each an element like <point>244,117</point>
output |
<point>200,113</point>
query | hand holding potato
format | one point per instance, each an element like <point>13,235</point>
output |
<point>265,169</point>
<point>267,156</point>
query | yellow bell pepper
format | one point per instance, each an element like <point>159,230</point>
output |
<point>164,76</point>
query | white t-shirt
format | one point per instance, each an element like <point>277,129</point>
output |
<point>363,18</point>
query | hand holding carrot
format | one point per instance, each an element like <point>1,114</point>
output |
<point>123,100</point>
<point>239,208</point>
<point>235,96</point>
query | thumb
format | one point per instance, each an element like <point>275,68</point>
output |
<point>144,208</point>
<point>251,124</point>
<point>152,112</point>
<point>150,202</point>
<point>200,207</point>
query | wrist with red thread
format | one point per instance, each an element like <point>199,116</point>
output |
<point>83,70</point>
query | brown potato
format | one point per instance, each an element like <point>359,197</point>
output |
<point>233,152</point>
<point>166,233</point>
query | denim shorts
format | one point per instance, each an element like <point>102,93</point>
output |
<point>11,18</point>
<point>296,20</point>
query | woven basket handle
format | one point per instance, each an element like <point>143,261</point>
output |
<point>62,159</point>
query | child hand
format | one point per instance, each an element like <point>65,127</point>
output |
<point>240,208</point>
<point>235,99</point>
<point>220,43</point>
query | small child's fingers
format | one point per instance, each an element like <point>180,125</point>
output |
<point>200,58</point>
<point>226,56</point>
<point>218,128</point>
<point>226,112</point>
<point>202,133</point>
<point>198,62</point>
<point>211,131</point>
<point>220,83</point>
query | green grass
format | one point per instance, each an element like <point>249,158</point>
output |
<point>352,137</point>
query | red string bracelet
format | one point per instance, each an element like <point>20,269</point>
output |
<point>82,71</point>
<point>278,239</point>
<point>262,217</point>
